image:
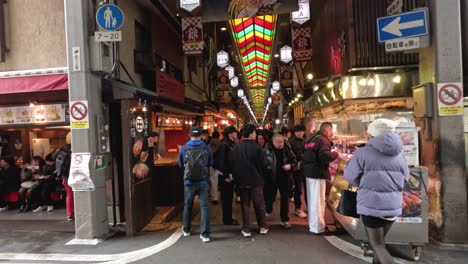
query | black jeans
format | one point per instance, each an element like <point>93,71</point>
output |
<point>45,189</point>
<point>3,192</point>
<point>227,192</point>
<point>270,191</point>
<point>299,182</point>
<point>254,195</point>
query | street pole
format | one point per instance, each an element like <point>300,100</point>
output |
<point>442,63</point>
<point>90,206</point>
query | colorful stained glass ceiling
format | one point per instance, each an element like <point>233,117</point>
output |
<point>254,39</point>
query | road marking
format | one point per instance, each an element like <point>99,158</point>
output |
<point>110,258</point>
<point>355,251</point>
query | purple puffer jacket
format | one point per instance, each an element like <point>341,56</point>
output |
<point>380,171</point>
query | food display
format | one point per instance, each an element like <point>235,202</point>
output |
<point>53,113</point>
<point>412,199</point>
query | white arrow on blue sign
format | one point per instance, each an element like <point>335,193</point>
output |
<point>109,17</point>
<point>405,25</point>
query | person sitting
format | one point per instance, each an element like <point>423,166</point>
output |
<point>9,180</point>
<point>29,182</point>
<point>46,185</point>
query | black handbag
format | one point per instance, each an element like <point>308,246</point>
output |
<point>348,203</point>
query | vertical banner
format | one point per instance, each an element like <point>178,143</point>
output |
<point>192,35</point>
<point>140,149</point>
<point>223,89</point>
<point>302,48</point>
<point>286,75</point>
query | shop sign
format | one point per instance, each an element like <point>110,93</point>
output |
<point>303,14</point>
<point>79,115</point>
<point>99,162</point>
<point>192,35</point>
<point>450,99</point>
<point>169,87</point>
<point>275,86</point>
<point>189,5</point>
<point>53,113</point>
<point>396,7</point>
<point>235,82</point>
<point>286,74</point>
<point>302,48</point>
<point>222,59</point>
<point>216,10</point>
<point>286,54</point>
<point>230,71</point>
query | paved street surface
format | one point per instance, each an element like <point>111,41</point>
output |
<point>227,246</point>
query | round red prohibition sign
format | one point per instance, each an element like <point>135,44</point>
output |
<point>79,111</point>
<point>78,159</point>
<point>450,94</point>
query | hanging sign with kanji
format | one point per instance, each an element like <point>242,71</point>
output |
<point>223,79</point>
<point>303,14</point>
<point>222,59</point>
<point>302,48</point>
<point>192,35</point>
<point>286,75</point>
<point>189,5</point>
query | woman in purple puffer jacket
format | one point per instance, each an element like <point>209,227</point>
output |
<point>380,171</point>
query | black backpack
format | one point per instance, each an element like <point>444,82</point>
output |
<point>196,168</point>
<point>62,163</point>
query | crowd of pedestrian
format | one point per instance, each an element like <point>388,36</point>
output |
<point>256,164</point>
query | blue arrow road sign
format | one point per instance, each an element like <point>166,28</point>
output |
<point>109,17</point>
<point>405,25</point>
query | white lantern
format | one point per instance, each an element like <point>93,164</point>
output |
<point>303,14</point>
<point>230,71</point>
<point>235,82</point>
<point>222,59</point>
<point>269,100</point>
<point>286,54</point>
<point>189,5</point>
<point>240,93</point>
<point>275,86</point>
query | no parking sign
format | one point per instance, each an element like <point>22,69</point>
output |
<point>450,99</point>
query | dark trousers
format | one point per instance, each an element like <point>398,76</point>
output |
<point>45,190</point>
<point>227,192</point>
<point>2,193</point>
<point>299,182</point>
<point>254,195</point>
<point>271,189</point>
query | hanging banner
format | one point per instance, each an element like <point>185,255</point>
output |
<point>216,10</point>
<point>192,35</point>
<point>189,5</point>
<point>286,75</point>
<point>303,14</point>
<point>140,150</point>
<point>222,59</point>
<point>223,79</point>
<point>302,48</point>
<point>169,87</point>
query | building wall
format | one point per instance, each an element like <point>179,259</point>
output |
<point>35,35</point>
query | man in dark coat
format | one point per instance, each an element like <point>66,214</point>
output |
<point>316,160</point>
<point>280,164</point>
<point>297,146</point>
<point>248,166</point>
<point>226,184</point>
<point>9,179</point>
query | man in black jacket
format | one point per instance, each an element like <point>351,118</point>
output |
<point>297,146</point>
<point>280,164</point>
<point>316,160</point>
<point>248,164</point>
<point>222,164</point>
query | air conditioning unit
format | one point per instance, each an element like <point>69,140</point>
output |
<point>101,56</point>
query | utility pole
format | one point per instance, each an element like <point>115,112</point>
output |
<point>90,205</point>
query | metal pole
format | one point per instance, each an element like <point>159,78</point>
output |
<point>90,206</point>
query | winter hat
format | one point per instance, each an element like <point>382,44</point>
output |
<point>382,126</point>
<point>195,131</point>
<point>247,130</point>
<point>229,130</point>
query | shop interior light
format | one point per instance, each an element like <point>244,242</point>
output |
<point>316,88</point>
<point>31,104</point>
<point>178,122</point>
<point>397,79</point>
<point>371,82</point>
<point>168,121</point>
<point>363,82</point>
<point>310,76</point>
<point>190,122</point>
<point>277,121</point>
<point>276,55</point>
<point>223,28</point>
<point>330,84</point>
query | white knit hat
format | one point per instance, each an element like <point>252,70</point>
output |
<point>381,126</point>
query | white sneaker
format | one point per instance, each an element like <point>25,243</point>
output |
<point>205,239</point>
<point>186,234</point>
<point>299,213</point>
<point>238,199</point>
<point>3,209</point>
<point>50,208</point>
<point>267,214</point>
<point>263,230</point>
<point>291,200</point>
<point>39,209</point>
<point>246,234</point>
<point>286,225</point>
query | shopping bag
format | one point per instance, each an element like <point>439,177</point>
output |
<point>348,202</point>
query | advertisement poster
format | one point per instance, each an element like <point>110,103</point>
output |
<point>192,35</point>
<point>141,161</point>
<point>412,199</point>
<point>409,138</point>
<point>302,47</point>
<point>54,113</point>
<point>222,10</point>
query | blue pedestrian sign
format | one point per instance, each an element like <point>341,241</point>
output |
<point>404,25</point>
<point>109,17</point>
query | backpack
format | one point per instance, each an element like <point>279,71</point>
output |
<point>196,168</point>
<point>62,163</point>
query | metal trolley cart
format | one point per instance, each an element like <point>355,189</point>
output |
<point>411,228</point>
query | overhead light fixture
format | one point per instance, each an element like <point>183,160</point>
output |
<point>330,84</point>
<point>31,104</point>
<point>371,82</point>
<point>397,79</point>
<point>310,76</point>
<point>276,55</point>
<point>316,88</point>
<point>223,28</point>
<point>363,82</point>
<point>277,121</point>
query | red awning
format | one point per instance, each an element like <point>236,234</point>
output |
<point>30,84</point>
